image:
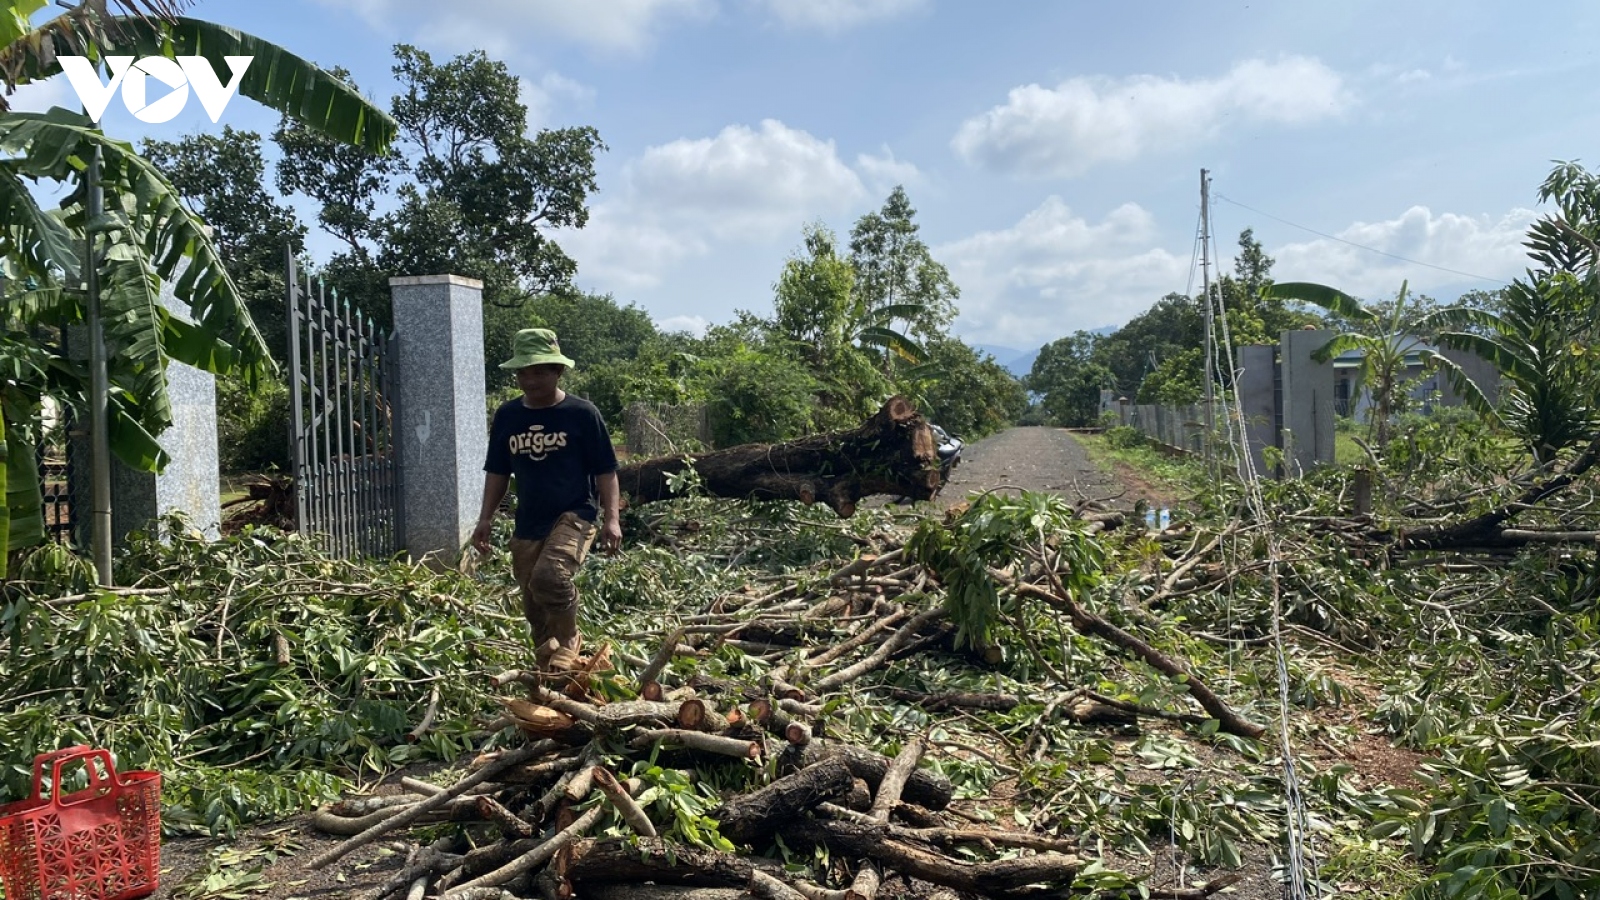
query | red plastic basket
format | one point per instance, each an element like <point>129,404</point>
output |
<point>99,843</point>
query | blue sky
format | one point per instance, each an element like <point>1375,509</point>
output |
<point>1052,149</point>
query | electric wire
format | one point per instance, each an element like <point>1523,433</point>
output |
<point>1297,819</point>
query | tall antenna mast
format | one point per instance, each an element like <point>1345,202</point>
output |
<point>1205,276</point>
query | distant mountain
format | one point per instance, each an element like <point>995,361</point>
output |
<point>1000,354</point>
<point>1021,365</point>
<point>1020,362</point>
<point>1017,362</point>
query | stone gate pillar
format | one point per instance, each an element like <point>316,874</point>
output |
<point>190,484</point>
<point>442,426</point>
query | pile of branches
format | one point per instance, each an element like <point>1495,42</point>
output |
<point>577,805</point>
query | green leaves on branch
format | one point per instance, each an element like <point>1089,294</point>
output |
<point>999,532</point>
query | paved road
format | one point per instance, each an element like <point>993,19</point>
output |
<point>1034,459</point>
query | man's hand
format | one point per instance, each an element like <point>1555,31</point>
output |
<point>480,536</point>
<point>611,535</point>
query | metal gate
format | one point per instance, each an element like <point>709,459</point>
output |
<point>342,428</point>
<point>54,457</point>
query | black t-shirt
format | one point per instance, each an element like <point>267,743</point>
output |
<point>554,453</point>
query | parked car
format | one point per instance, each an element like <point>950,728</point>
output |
<point>949,447</point>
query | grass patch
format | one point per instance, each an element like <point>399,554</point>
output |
<point>1171,475</point>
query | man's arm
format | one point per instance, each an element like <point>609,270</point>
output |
<point>610,511</point>
<point>494,490</point>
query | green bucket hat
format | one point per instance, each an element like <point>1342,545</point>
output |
<point>535,347</point>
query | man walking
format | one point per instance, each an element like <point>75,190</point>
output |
<point>558,449</point>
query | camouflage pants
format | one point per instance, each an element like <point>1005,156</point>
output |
<point>544,570</point>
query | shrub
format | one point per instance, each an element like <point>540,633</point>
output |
<point>252,425</point>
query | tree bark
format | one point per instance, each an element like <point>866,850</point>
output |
<point>923,788</point>
<point>891,453</point>
<point>987,879</point>
<point>748,818</point>
<point>615,860</point>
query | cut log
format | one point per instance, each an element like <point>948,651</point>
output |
<point>986,879</point>
<point>748,818</point>
<point>891,453</point>
<point>895,777</point>
<point>923,788</point>
<point>956,700</point>
<point>696,715</point>
<point>767,887</point>
<point>661,892</point>
<point>626,861</point>
<point>698,741</point>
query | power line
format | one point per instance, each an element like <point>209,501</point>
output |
<point>1359,246</point>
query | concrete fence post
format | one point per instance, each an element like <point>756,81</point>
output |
<point>1255,389</point>
<point>442,426</point>
<point>1308,404</point>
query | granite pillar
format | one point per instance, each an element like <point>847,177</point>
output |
<point>1308,404</point>
<point>1254,389</point>
<point>442,423</point>
<point>190,485</point>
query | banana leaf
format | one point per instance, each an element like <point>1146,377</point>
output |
<point>5,465</point>
<point>24,493</point>
<point>275,78</point>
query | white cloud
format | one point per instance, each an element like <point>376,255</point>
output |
<point>1055,272</point>
<point>838,15</point>
<point>503,27</point>
<point>695,325</point>
<point>883,172</point>
<point>1467,245</point>
<point>543,95</point>
<point>743,187</point>
<point>1067,130</point>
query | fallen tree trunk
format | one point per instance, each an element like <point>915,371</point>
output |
<point>749,818</point>
<point>891,453</point>
<point>616,860</point>
<point>923,787</point>
<point>988,879</point>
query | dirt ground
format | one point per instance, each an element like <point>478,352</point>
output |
<point>1035,459</point>
<point>1049,460</point>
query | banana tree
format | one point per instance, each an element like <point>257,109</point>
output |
<point>145,237</point>
<point>1541,337</point>
<point>1385,340</point>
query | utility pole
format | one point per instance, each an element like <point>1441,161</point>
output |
<point>1205,277</point>
<point>99,387</point>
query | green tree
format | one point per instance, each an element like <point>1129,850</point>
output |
<point>146,237</point>
<point>970,395</point>
<point>222,178</point>
<point>473,193</point>
<point>1541,330</point>
<point>1170,326</point>
<point>1068,379</point>
<point>817,311</point>
<point>759,394</point>
<point>897,278</point>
